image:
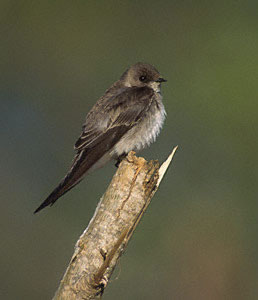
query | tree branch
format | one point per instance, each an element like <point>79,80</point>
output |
<point>109,231</point>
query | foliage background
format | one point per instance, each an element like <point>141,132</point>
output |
<point>198,239</point>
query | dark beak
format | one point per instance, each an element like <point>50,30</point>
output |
<point>161,80</point>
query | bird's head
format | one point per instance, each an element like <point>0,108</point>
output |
<point>141,75</point>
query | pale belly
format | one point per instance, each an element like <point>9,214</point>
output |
<point>137,138</point>
<point>143,134</point>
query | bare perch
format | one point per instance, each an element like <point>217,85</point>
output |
<point>115,219</point>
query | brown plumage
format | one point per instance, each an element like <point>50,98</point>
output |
<point>127,117</point>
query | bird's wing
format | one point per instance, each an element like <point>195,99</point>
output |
<point>119,115</point>
<point>102,130</point>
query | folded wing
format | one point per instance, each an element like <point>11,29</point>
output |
<point>105,124</point>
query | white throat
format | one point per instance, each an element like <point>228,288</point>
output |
<point>155,86</point>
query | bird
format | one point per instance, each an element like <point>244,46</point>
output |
<point>129,116</point>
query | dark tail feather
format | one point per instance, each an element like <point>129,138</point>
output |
<point>83,161</point>
<point>59,191</point>
<point>74,176</point>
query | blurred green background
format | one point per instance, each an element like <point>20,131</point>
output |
<point>199,238</point>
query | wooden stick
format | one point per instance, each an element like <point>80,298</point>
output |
<point>110,229</point>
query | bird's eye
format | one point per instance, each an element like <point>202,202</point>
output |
<point>142,78</point>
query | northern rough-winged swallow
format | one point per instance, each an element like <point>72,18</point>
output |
<point>129,116</point>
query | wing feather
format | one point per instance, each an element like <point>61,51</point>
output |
<point>102,130</point>
<point>115,118</point>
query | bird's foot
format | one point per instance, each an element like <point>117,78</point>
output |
<point>120,158</point>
